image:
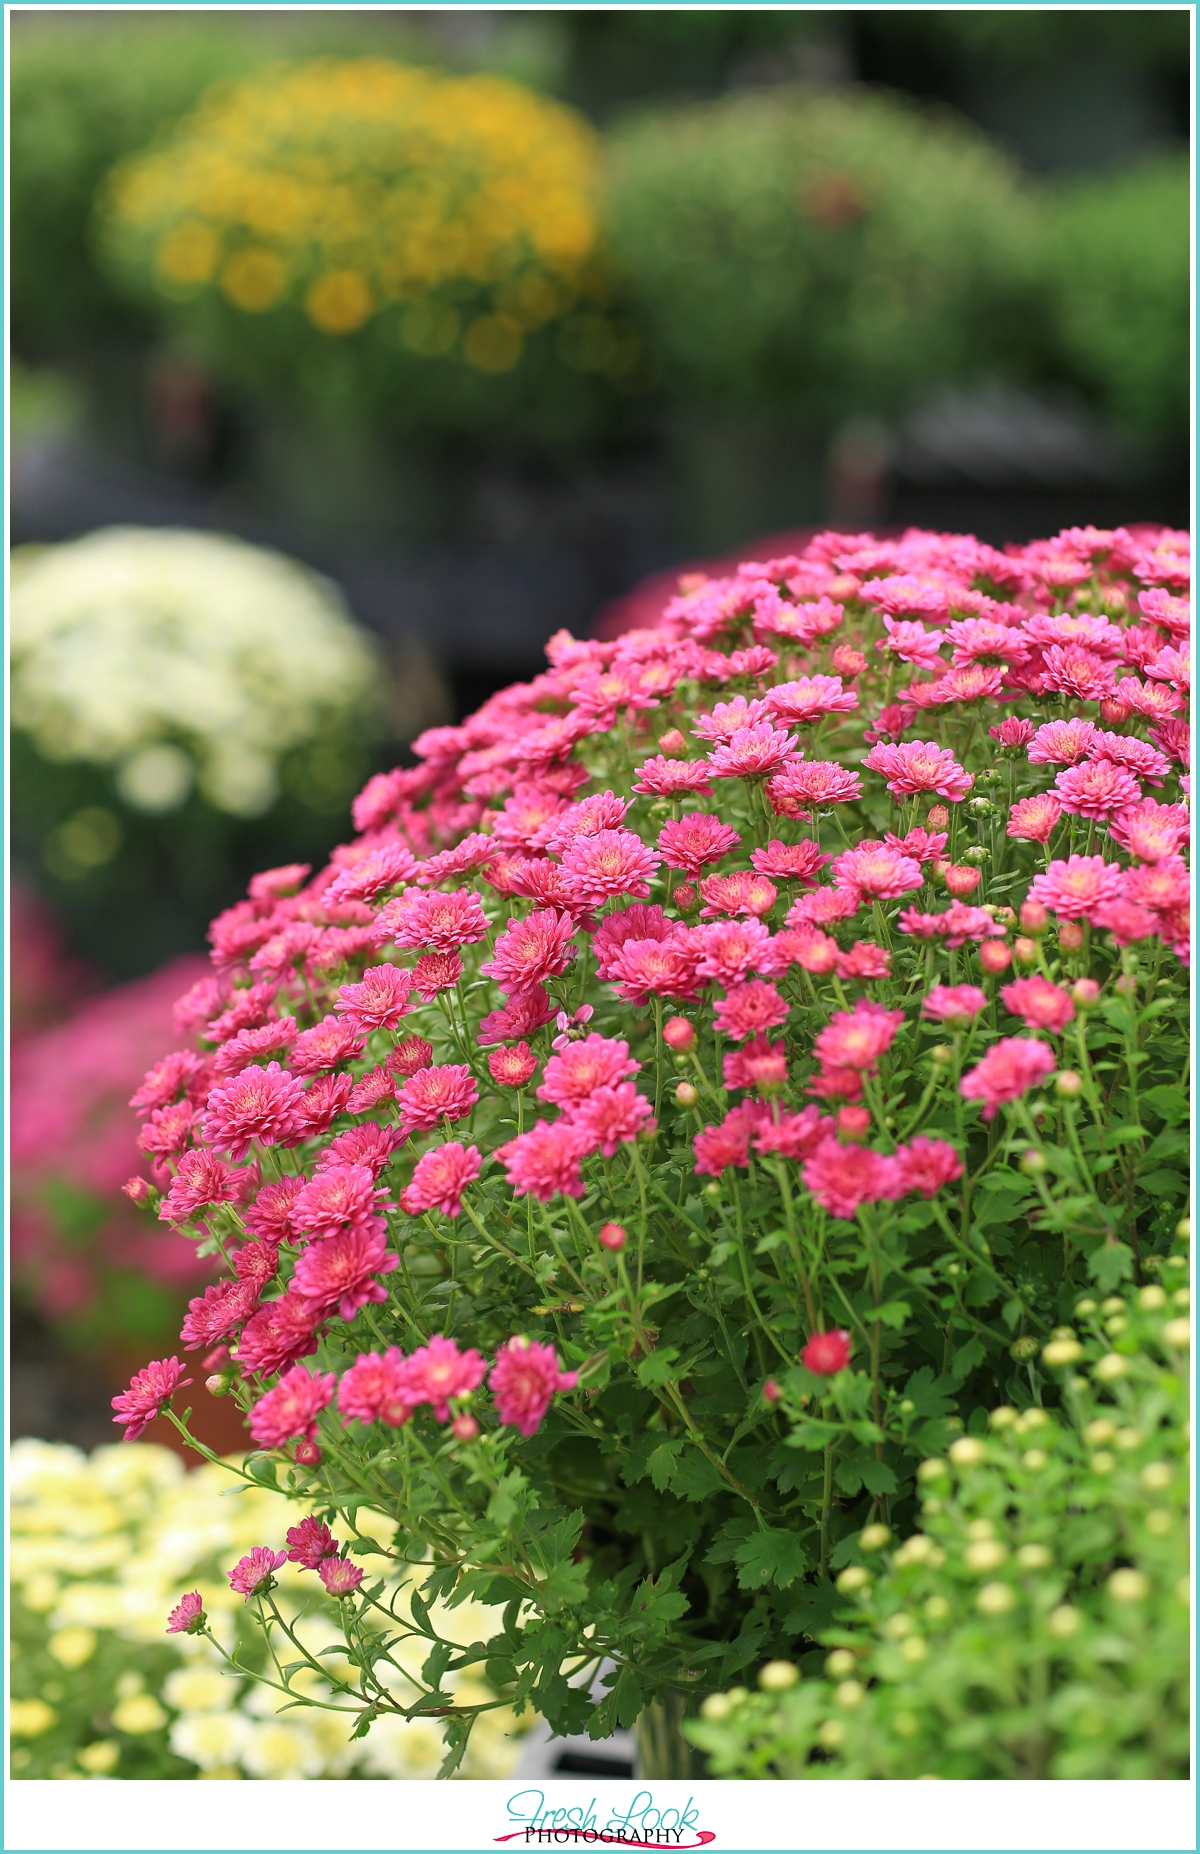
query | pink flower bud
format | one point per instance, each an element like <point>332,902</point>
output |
<point>612,1236</point>
<point>307,1454</point>
<point>853,1124</point>
<point>844,587</point>
<point>847,661</point>
<point>1034,918</point>
<point>679,1034</point>
<point>684,897</point>
<point>1070,936</point>
<point>217,1359</point>
<point>139,1190</point>
<point>939,817</point>
<point>1004,917</point>
<point>1025,951</point>
<point>672,742</point>
<point>827,1353</point>
<point>771,1391</point>
<point>960,879</point>
<point>1068,1084</point>
<point>686,1094</point>
<point>995,956</point>
<point>464,1427</point>
<point>218,1385</point>
<point>1113,712</point>
<point>1086,993</point>
<point>1126,984</point>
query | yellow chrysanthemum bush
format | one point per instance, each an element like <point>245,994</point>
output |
<point>417,215</point>
<point>99,1543</point>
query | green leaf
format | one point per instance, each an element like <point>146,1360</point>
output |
<point>966,1358</point>
<point>566,1584</point>
<point>1112,1262</point>
<point>662,1463</point>
<point>878,1477</point>
<point>770,1556</point>
<point>506,1502</point>
<point>695,1477</point>
<point>1169,1101</point>
<point>893,1313</point>
<point>813,1611</point>
<point>658,1367</point>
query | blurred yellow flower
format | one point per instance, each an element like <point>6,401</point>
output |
<point>139,1713</point>
<point>29,1718</point>
<point>348,185</point>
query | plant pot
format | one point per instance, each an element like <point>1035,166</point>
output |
<point>662,1749</point>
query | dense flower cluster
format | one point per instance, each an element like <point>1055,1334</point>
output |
<point>670,932</point>
<point>348,186</point>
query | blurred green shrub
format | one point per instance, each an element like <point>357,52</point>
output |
<point>1116,264</point>
<point>816,254</point>
<point>1036,1625</point>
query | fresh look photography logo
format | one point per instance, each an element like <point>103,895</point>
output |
<point>637,1823</point>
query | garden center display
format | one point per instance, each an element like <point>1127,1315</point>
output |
<point>728,1072</point>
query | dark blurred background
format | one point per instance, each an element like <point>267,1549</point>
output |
<point>859,269</point>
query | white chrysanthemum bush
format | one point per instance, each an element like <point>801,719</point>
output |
<point>706,1086</point>
<point>99,1544</point>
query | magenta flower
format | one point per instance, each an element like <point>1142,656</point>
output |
<point>531,951</point>
<point>792,704</point>
<point>281,1332</point>
<point>954,1004</point>
<point>523,1379</point>
<point>719,1147</point>
<point>254,1574</point>
<point>759,1064</point>
<point>578,1069</point>
<point>730,718</point>
<point>865,960</point>
<point>379,870</point>
<point>916,766</point>
<point>435,972</point>
<point>380,1001</point>
<point>376,1389</point>
<point>749,1008</point>
<point>150,1391</point>
<point>338,1197</point>
<point>1149,831</point>
<point>270,1215</point>
<point>512,1068</point>
<point>263,1105</point>
<point>1040,1004</point>
<point>643,969</point>
<point>309,1542</point>
<point>187,1617</point>
<point>1013,732</point>
<point>1072,889</point>
<point>1063,743</point>
<point>291,1409</point>
<point>1035,818</point>
<point>691,843</point>
<point>1072,670</point>
<point>824,906</point>
<point>1011,1067</point>
<point>442,922</point>
<point>163,1084</point>
<point>843,1177</point>
<point>1136,756</point>
<point>1097,789</point>
<point>789,862</point>
<point>440,1177</point>
<point>827,1353</point>
<point>326,1046</point>
<point>877,872</point>
<point>928,1164</point>
<point>438,1371</point>
<point>741,893</point>
<point>731,950</point>
<point>613,862</point>
<point>857,1039</point>
<point>339,1272</point>
<point>339,1576</point>
<point>545,1161</point>
<point>433,1096</point>
<point>665,778</point>
<point>216,1313</point>
<point>752,753</point>
<point>369,1144</point>
<point>202,1179</point>
<point>610,1115</point>
<point>812,785</point>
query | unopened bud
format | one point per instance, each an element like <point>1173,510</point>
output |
<point>1033,917</point>
<point>1183,1230</point>
<point>679,1034</point>
<point>853,1123</point>
<point>847,661</point>
<point>1086,994</point>
<point>1126,984</point>
<point>960,880</point>
<point>687,1094</point>
<point>140,1190</point>
<point>1025,951</point>
<point>1068,1083</point>
<point>219,1384</point>
<point>217,1359</point>
<point>684,897</point>
<point>995,956</point>
<point>939,817</point>
<point>1033,1160</point>
<point>1070,936</point>
<point>1113,712</point>
<point>771,1391</point>
<point>464,1427</point>
<point>612,1236</point>
<point>672,741</point>
<point>307,1454</point>
<point>941,1053</point>
<point>1023,1349</point>
<point>977,855</point>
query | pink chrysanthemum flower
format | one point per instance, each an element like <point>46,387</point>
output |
<point>435,972</point>
<point>752,753</point>
<point>545,1161</point>
<point>527,816</point>
<point>379,1002</point>
<point>339,1576</point>
<point>729,718</point>
<point>790,862</point>
<point>732,949</point>
<point>531,951</point>
<point>601,811</point>
<point>247,1008</point>
<point>610,1115</point>
<point>292,1409</point>
<point>202,1179</point>
<point>512,1068</point>
<point>439,1179</point>
<point>1097,789</point>
<point>891,722</point>
<point>594,1062</point>
<point>1154,700</point>
<point>691,843</point>
<point>1071,889</point>
<point>983,640</point>
<point>276,1336</point>
<point>309,1542</point>
<point>1035,819</point>
<point>645,969</point>
<point>664,778</point>
<point>916,766</point>
<point>187,1617</point>
<point>922,845</point>
<point>426,919</point>
<point>1013,732</point>
<point>750,1008</point>
<point>759,1064</point>
<point>812,785</point>
<point>216,1313</point>
<point>1149,831</point>
<point>168,1129</point>
<point>263,1105</point>
<point>1072,670</point>
<point>824,907</point>
<point>256,1263</point>
<point>338,1273</point>
<point>523,1379</point>
<point>805,946</point>
<point>908,640</point>
<point>827,1353</point>
<point>321,1104</point>
<point>875,871</point>
<point>326,1046</point>
<point>248,1045</point>
<point>740,893</point>
<point>383,869</point>
<point>1011,1066</point>
<point>1039,1004</point>
<point>857,1039</point>
<point>954,1004</point>
<point>446,1093</point>
<point>1126,920</point>
<point>438,1371</point>
<point>176,1074</point>
<point>1174,615</point>
<point>523,1014</point>
<point>410,1057</point>
<point>1159,886</point>
<point>792,1136</point>
<point>974,682</point>
<point>1136,756</point>
<point>378,1390</point>
<point>338,1197</point>
<point>270,1215</point>
<point>150,1391</point>
<point>254,1574</point>
<point>719,1147</point>
<point>792,704</point>
<point>843,1177</point>
<point>928,1164</point>
<point>865,960</point>
<point>613,862</point>
<point>376,1086</point>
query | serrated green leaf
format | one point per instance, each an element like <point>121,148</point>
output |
<point>770,1555</point>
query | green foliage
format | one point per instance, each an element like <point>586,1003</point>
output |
<point>1036,1625</point>
<point>1116,264</point>
<point>813,253</point>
